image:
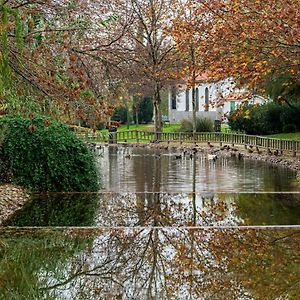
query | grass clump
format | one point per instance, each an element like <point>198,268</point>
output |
<point>202,125</point>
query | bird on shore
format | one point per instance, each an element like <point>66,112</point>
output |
<point>128,156</point>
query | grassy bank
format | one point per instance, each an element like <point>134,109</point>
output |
<point>286,136</point>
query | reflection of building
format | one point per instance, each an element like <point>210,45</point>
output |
<point>214,99</point>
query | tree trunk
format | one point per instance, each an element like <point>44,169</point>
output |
<point>194,109</point>
<point>157,112</point>
<point>193,65</point>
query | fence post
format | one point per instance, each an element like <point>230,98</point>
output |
<point>137,136</point>
<point>294,148</point>
<point>245,144</point>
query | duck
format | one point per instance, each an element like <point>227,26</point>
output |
<point>212,157</point>
<point>127,156</point>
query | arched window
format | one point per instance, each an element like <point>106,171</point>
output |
<point>206,97</point>
<point>197,99</point>
<point>173,97</point>
<point>187,100</point>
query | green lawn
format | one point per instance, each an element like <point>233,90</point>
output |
<point>286,136</point>
<point>147,127</point>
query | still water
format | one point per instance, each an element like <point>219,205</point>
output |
<point>159,209</point>
<point>148,170</point>
<point>149,263</point>
<point>165,225</point>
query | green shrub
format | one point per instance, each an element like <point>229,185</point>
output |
<point>289,128</point>
<point>45,155</point>
<point>120,114</point>
<point>144,108</point>
<point>202,125</point>
<point>268,118</point>
<point>186,126</point>
<point>290,116</point>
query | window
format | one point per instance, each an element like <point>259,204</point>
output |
<point>197,99</point>
<point>173,97</point>
<point>206,97</point>
<point>187,100</point>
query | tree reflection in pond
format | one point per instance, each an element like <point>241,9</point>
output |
<point>159,209</point>
<point>155,263</point>
<point>152,170</point>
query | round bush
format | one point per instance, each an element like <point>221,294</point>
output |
<point>45,155</point>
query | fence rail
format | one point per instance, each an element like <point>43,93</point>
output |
<point>199,137</point>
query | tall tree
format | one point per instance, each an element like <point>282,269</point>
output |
<point>39,57</point>
<point>189,31</point>
<point>251,41</point>
<point>145,54</point>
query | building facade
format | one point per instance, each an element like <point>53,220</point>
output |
<point>214,100</point>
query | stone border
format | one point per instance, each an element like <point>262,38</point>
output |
<point>12,198</point>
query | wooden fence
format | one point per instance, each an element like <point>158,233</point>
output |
<point>202,137</point>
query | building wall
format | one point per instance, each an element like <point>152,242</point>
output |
<point>176,116</point>
<point>184,111</point>
<point>179,108</point>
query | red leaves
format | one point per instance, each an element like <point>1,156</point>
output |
<point>32,128</point>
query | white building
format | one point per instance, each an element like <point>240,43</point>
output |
<point>214,99</point>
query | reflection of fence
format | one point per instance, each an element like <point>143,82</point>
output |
<point>199,137</point>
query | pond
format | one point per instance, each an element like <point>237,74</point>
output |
<point>149,263</point>
<point>166,225</point>
<point>151,170</point>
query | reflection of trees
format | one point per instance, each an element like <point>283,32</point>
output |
<point>161,209</point>
<point>173,264</point>
<point>271,209</point>
<point>226,174</point>
<point>57,210</point>
<point>158,209</point>
<point>24,256</point>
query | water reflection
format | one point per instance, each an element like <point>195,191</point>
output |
<point>150,170</point>
<point>150,264</point>
<point>159,209</point>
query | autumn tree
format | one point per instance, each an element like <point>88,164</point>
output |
<point>189,30</point>
<point>254,42</point>
<point>145,54</point>
<point>40,60</point>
